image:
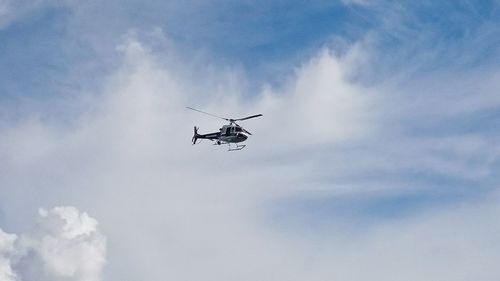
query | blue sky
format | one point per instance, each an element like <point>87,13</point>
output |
<point>379,135</point>
<point>264,38</point>
<point>252,35</point>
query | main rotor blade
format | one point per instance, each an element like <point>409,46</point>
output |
<point>245,118</point>
<point>213,115</point>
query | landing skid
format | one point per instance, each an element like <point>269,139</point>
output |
<point>236,147</point>
<point>230,146</point>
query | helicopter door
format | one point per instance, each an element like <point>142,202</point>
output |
<point>228,131</point>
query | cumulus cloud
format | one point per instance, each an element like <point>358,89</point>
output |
<point>65,245</point>
<point>7,242</point>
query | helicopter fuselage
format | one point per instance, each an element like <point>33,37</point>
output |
<point>226,134</point>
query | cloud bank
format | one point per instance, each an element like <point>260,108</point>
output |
<point>172,210</point>
<point>345,177</point>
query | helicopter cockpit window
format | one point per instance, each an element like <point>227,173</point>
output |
<point>228,131</point>
<point>238,129</point>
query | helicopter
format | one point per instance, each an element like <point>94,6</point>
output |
<point>229,134</point>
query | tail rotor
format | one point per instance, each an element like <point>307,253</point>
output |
<point>195,136</point>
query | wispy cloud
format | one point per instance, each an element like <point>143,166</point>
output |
<point>11,11</point>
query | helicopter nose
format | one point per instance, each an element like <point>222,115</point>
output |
<point>242,136</point>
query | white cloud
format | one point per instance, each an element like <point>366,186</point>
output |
<point>66,245</point>
<point>320,105</point>
<point>7,242</point>
<point>70,245</point>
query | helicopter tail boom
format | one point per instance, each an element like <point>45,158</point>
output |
<point>210,136</point>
